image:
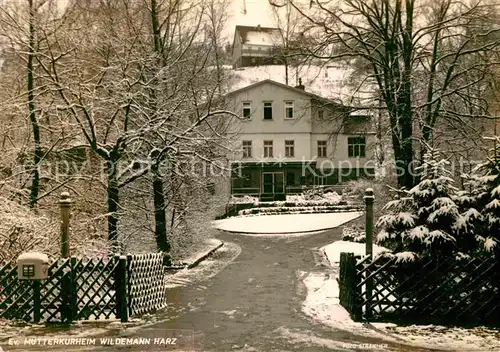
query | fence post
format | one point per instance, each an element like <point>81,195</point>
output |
<point>74,289</point>
<point>67,292</point>
<point>65,204</point>
<point>356,280</point>
<point>369,199</point>
<point>130,302</point>
<point>37,303</point>
<point>121,288</point>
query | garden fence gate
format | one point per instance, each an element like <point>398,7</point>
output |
<point>85,289</point>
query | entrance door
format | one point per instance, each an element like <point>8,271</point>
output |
<point>278,183</point>
<point>268,180</point>
<point>273,182</point>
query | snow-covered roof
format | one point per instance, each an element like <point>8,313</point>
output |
<point>298,90</point>
<point>35,256</point>
<point>330,82</point>
<point>258,35</point>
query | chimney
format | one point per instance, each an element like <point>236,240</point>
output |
<point>300,85</point>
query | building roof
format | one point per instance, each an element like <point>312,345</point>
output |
<point>281,85</point>
<point>358,124</point>
<point>258,35</point>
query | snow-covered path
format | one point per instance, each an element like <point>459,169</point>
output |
<point>255,302</point>
<point>270,293</point>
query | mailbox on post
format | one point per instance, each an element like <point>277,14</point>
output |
<point>32,266</point>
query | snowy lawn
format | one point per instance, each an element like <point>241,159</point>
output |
<point>333,250</point>
<point>322,303</point>
<point>288,223</point>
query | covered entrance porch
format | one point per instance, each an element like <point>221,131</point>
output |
<point>271,181</point>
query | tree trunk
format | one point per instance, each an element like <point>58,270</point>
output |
<point>156,28</point>
<point>160,218</point>
<point>113,199</point>
<point>379,136</point>
<point>162,243</point>
<point>286,72</point>
<point>217,62</point>
<point>402,145</point>
<point>407,178</point>
<point>35,183</point>
<point>172,220</point>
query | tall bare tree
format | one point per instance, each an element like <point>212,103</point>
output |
<point>131,86</point>
<point>414,53</point>
<point>19,23</point>
<point>288,22</point>
<point>215,23</point>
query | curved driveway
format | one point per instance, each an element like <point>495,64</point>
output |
<point>247,297</point>
<point>254,303</point>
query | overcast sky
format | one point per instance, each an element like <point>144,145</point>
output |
<point>258,12</point>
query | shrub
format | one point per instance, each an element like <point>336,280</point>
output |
<point>299,210</point>
<point>21,230</point>
<point>330,197</point>
<point>355,191</point>
<point>353,234</point>
<point>243,199</point>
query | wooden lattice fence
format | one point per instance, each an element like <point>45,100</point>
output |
<point>445,290</point>
<point>27,300</point>
<point>348,282</point>
<point>146,285</point>
<point>85,289</point>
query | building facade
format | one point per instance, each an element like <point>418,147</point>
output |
<point>288,139</point>
<point>254,46</point>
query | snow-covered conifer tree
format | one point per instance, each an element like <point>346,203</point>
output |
<point>482,202</point>
<point>424,220</point>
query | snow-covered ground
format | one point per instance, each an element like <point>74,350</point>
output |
<point>281,235</point>
<point>334,249</point>
<point>207,268</point>
<point>203,250</point>
<point>285,224</point>
<point>322,304</point>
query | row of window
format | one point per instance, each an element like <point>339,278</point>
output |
<point>267,106</point>
<point>255,47</point>
<point>356,147</point>
<point>289,112</point>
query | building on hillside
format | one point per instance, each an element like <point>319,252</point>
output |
<point>254,46</point>
<point>288,139</point>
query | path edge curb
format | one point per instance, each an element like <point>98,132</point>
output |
<point>198,260</point>
<point>205,256</point>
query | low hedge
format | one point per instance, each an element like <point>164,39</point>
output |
<point>299,210</point>
<point>235,209</point>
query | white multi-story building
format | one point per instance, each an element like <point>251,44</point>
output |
<point>253,46</point>
<point>289,139</point>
